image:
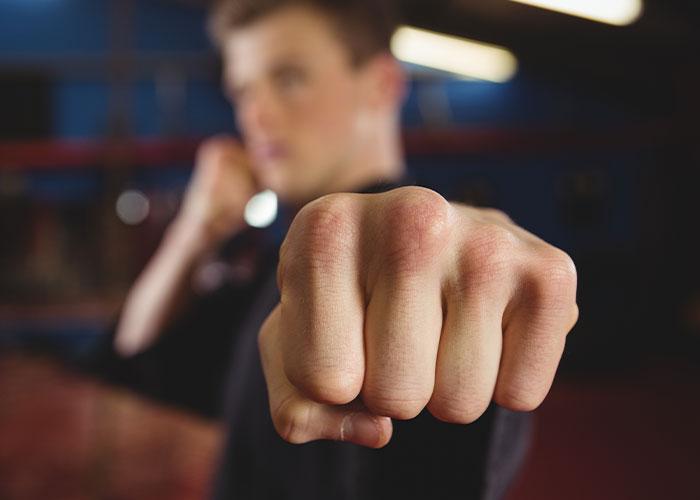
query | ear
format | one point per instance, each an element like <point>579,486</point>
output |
<point>386,82</point>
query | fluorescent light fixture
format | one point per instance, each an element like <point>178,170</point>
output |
<point>460,56</point>
<point>617,12</point>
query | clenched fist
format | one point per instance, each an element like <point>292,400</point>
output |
<point>396,301</point>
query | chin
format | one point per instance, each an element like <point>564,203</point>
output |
<point>271,178</point>
<point>294,197</point>
<point>291,198</point>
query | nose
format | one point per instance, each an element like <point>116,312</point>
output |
<point>259,112</point>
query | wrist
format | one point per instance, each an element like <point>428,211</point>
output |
<point>190,237</point>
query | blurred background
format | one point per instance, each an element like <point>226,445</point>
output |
<point>593,144</point>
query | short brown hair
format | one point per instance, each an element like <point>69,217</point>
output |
<point>365,26</point>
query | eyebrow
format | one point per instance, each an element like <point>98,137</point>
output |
<point>282,63</point>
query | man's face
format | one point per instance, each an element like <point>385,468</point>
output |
<point>299,101</point>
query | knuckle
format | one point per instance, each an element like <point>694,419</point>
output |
<point>488,257</point>
<point>497,215</point>
<point>264,335</point>
<point>212,148</point>
<point>416,226</point>
<point>322,233</point>
<point>283,263</point>
<point>518,398</point>
<point>207,147</point>
<point>492,244</point>
<point>562,268</point>
<point>326,226</point>
<point>458,410</point>
<point>395,408</point>
<point>399,404</point>
<point>291,421</point>
<point>553,282</point>
<point>288,271</point>
<point>330,386</point>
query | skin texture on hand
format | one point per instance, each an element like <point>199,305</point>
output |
<point>394,302</point>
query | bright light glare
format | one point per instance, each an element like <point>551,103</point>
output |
<point>617,12</point>
<point>455,55</point>
<point>261,209</point>
<point>132,207</point>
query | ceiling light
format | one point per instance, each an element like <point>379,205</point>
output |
<point>455,55</point>
<point>617,12</point>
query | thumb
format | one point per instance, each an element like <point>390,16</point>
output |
<point>299,419</point>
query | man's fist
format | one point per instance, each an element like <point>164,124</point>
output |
<point>397,301</point>
<point>221,186</point>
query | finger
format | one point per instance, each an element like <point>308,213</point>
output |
<point>403,331</point>
<point>297,419</point>
<point>404,313</point>
<point>534,337</point>
<point>322,305</point>
<point>468,357</point>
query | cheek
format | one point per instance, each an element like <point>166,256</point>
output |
<point>325,124</point>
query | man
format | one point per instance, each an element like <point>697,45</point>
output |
<point>394,305</point>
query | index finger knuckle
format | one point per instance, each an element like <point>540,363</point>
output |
<point>322,234</point>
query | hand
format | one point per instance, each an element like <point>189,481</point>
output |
<point>397,301</point>
<point>221,186</point>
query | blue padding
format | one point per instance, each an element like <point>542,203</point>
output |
<point>53,26</point>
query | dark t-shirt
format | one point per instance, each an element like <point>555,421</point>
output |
<point>188,365</point>
<point>213,350</point>
<point>425,458</point>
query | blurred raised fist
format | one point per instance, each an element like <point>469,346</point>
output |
<point>221,185</point>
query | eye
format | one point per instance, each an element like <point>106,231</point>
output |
<point>290,77</point>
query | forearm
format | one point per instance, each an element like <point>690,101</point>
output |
<point>163,288</point>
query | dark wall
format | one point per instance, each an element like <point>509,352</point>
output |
<point>604,165</point>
